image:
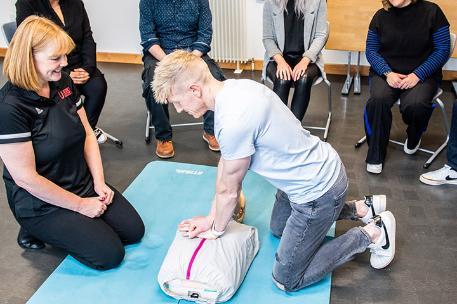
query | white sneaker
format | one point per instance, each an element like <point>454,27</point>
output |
<point>374,168</point>
<point>383,251</point>
<point>411,151</point>
<point>445,175</point>
<point>100,135</point>
<point>376,204</point>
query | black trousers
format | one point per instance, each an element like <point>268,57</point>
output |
<point>96,242</point>
<point>159,112</point>
<point>302,93</point>
<point>94,91</point>
<point>415,107</point>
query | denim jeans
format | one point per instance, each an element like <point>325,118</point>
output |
<point>452,144</point>
<point>159,112</point>
<point>303,257</point>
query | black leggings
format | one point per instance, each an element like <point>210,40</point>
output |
<point>94,91</point>
<point>95,242</point>
<point>303,85</point>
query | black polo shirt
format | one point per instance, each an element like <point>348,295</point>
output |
<point>57,136</point>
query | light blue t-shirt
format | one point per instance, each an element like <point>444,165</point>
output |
<point>251,120</point>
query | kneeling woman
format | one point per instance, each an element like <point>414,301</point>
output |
<point>53,170</point>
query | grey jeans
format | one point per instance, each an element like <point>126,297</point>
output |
<point>303,257</point>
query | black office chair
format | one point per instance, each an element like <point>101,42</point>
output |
<point>8,31</point>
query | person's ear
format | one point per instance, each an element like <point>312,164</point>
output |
<point>196,90</point>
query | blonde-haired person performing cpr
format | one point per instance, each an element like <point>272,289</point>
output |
<point>250,123</point>
<point>53,170</point>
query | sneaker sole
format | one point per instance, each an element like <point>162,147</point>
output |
<point>432,182</point>
<point>388,220</point>
<point>374,171</point>
<point>209,147</point>
<point>412,151</point>
<point>165,156</point>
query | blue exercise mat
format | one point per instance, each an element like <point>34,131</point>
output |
<point>164,194</point>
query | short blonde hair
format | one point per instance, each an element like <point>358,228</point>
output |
<point>176,68</point>
<point>386,4</point>
<point>33,34</point>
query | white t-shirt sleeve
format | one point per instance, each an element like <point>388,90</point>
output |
<point>236,141</point>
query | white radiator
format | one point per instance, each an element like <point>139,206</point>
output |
<point>229,31</point>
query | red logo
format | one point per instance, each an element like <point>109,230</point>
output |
<point>65,93</point>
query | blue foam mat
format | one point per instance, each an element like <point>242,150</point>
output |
<point>165,193</point>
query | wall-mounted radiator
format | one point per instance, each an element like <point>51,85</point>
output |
<point>229,31</point>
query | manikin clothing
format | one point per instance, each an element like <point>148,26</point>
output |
<point>209,271</point>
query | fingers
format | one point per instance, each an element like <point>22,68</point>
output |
<point>102,208</point>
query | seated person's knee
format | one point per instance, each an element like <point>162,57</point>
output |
<point>303,81</point>
<point>283,82</point>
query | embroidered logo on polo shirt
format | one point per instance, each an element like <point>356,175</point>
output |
<point>65,93</point>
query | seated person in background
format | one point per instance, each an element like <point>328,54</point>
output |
<point>164,27</point>
<point>294,34</point>
<point>71,16</point>
<point>53,171</point>
<point>408,43</point>
<point>447,174</point>
<point>309,175</point>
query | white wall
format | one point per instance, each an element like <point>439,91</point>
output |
<point>115,27</point>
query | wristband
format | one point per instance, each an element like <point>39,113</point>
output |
<point>215,232</point>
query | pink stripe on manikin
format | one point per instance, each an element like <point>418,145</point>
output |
<point>189,268</point>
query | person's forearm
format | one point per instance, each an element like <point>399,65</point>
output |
<point>278,58</point>
<point>49,192</point>
<point>93,159</point>
<point>226,201</point>
<point>157,51</point>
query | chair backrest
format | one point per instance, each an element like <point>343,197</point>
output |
<point>453,40</point>
<point>8,30</point>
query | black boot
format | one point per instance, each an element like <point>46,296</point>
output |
<point>27,241</point>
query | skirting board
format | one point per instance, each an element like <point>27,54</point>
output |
<point>333,69</point>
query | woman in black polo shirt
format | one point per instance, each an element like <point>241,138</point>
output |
<point>53,170</point>
<point>408,43</point>
<point>72,17</point>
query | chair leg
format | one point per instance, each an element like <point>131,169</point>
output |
<point>436,153</point>
<point>329,117</point>
<point>360,142</point>
<point>115,140</point>
<point>147,137</point>
<point>446,127</point>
